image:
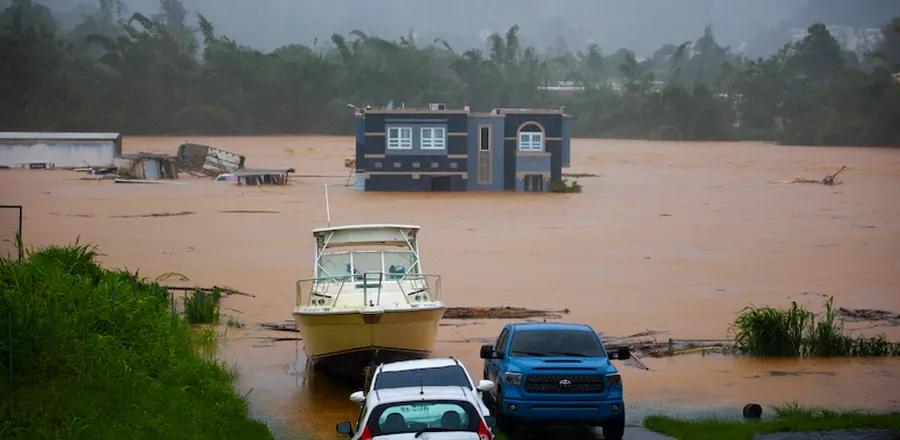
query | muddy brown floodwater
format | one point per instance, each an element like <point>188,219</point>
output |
<point>670,237</point>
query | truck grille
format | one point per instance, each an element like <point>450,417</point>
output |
<point>563,383</point>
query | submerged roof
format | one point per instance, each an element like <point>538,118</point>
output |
<point>261,172</point>
<point>146,155</point>
<point>57,135</point>
<point>359,235</point>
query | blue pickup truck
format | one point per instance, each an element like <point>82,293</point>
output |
<point>554,373</point>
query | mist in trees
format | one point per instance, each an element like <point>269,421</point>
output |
<point>165,73</point>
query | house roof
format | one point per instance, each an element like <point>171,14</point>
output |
<point>57,135</point>
<point>145,155</point>
<point>384,111</point>
<point>531,111</point>
<point>260,171</point>
<point>497,112</point>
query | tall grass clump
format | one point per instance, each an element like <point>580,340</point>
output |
<point>202,306</point>
<point>796,332</point>
<point>787,418</point>
<point>95,353</point>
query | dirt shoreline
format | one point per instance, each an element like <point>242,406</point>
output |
<point>676,237</point>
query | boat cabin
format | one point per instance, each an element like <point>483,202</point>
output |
<point>369,264</point>
<point>349,252</point>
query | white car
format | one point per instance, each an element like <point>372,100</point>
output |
<point>425,372</point>
<point>420,413</point>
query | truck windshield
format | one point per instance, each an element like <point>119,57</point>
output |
<point>556,343</point>
<point>451,375</point>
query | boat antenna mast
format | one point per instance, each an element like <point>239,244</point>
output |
<point>327,207</point>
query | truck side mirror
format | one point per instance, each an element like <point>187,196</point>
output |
<point>485,385</point>
<point>487,352</point>
<point>358,397</point>
<point>622,352</point>
<point>345,428</point>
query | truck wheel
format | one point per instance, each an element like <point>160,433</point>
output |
<point>614,429</point>
<point>502,420</point>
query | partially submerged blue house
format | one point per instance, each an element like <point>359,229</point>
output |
<point>458,150</point>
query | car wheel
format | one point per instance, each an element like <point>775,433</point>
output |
<point>614,429</point>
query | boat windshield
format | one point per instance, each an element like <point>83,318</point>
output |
<point>341,266</point>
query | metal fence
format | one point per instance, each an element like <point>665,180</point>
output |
<point>10,232</point>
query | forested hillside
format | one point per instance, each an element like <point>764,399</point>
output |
<point>165,74</point>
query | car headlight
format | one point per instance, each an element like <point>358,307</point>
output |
<point>514,379</point>
<point>614,379</point>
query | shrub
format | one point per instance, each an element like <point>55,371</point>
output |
<point>202,306</point>
<point>794,332</point>
<point>563,186</point>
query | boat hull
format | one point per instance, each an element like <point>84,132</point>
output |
<point>346,343</point>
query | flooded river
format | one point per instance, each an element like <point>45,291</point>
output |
<point>670,237</point>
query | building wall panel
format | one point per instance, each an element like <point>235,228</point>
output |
<point>60,153</point>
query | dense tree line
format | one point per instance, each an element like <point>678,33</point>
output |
<point>162,74</point>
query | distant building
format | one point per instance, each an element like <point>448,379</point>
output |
<point>146,166</point>
<point>563,88</point>
<point>457,150</point>
<point>58,149</point>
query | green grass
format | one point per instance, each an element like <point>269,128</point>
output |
<point>202,306</point>
<point>96,354</point>
<point>788,418</point>
<point>796,332</point>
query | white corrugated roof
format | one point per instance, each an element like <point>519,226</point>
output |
<point>57,135</point>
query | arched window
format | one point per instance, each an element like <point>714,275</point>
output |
<point>531,137</point>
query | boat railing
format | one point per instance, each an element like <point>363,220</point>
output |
<point>328,291</point>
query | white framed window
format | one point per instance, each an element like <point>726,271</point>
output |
<point>433,138</point>
<point>531,141</point>
<point>399,138</point>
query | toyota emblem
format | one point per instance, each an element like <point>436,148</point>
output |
<point>565,383</point>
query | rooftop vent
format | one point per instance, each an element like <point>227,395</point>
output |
<point>437,106</point>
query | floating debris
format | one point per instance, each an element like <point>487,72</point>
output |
<point>173,276</point>
<point>204,160</point>
<point>868,315</point>
<point>827,180</point>
<point>501,313</point>
<point>224,290</point>
<point>286,327</point>
<point>155,214</point>
<point>248,211</point>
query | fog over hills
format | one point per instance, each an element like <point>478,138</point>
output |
<point>754,27</point>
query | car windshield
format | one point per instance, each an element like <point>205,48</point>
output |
<point>451,375</point>
<point>423,416</point>
<point>556,343</point>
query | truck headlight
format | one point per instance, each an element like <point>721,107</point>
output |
<point>514,379</point>
<point>614,379</point>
